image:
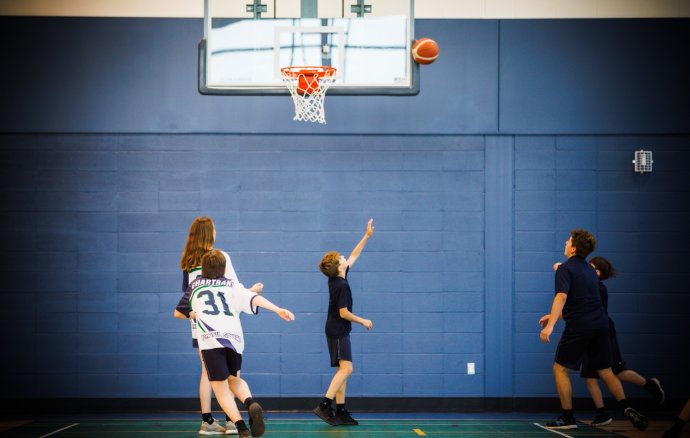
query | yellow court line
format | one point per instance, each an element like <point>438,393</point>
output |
<point>419,432</point>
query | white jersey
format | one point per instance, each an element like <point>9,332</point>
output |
<point>218,304</point>
<point>195,273</point>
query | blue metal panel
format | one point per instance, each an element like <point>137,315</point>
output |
<point>498,266</point>
<point>594,76</point>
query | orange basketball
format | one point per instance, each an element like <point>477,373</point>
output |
<point>425,51</point>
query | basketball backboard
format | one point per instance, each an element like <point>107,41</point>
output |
<point>247,42</point>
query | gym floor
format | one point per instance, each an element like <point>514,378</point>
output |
<point>281,424</point>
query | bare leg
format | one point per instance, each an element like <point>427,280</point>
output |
<point>612,383</point>
<point>226,399</point>
<point>339,379</point>
<point>256,416</point>
<point>631,377</point>
<point>563,386</point>
<point>239,387</point>
<point>340,394</point>
<point>205,389</point>
<point>595,392</point>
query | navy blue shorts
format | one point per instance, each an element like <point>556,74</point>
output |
<point>573,347</point>
<point>221,363</point>
<point>339,349</point>
<point>618,365</point>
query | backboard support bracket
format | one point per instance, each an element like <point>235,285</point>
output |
<point>257,8</point>
<point>360,8</point>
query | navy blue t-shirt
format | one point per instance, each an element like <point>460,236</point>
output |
<point>339,296</point>
<point>604,294</point>
<point>584,309</point>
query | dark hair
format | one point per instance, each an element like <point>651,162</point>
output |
<point>583,241</point>
<point>605,268</point>
<point>213,264</point>
<point>329,264</point>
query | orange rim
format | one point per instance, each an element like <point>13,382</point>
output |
<point>318,71</point>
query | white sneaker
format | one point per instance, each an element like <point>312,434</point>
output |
<point>211,429</point>
<point>230,428</point>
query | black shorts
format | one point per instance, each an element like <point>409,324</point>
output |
<point>573,347</point>
<point>617,363</point>
<point>339,349</point>
<point>221,363</point>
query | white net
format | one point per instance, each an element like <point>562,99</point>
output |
<point>308,87</point>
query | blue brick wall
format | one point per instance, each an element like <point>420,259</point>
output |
<point>91,285</point>
<point>570,182</point>
<point>100,301</point>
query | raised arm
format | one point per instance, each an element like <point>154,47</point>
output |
<point>354,255</point>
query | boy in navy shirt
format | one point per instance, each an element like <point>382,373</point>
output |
<point>338,327</point>
<point>586,332</point>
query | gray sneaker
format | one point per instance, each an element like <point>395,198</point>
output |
<point>211,429</point>
<point>230,428</point>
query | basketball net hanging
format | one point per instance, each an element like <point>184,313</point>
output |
<point>308,87</point>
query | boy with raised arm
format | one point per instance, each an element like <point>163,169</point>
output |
<point>338,328</point>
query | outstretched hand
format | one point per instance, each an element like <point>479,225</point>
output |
<point>286,314</point>
<point>257,288</point>
<point>370,227</point>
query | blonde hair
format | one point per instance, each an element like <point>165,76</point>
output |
<point>199,242</point>
<point>329,264</point>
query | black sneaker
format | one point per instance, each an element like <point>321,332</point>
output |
<point>256,419</point>
<point>654,387</point>
<point>602,419</point>
<point>242,430</point>
<point>326,414</point>
<point>562,422</point>
<point>345,418</point>
<point>638,420</point>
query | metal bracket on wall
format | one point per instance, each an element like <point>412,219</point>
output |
<point>257,8</point>
<point>360,8</point>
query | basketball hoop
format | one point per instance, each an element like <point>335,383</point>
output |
<point>308,87</point>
